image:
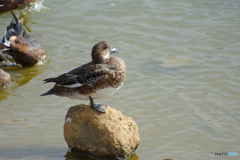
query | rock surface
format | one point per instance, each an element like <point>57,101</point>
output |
<point>104,135</point>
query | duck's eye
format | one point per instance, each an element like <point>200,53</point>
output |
<point>104,47</point>
<point>17,41</point>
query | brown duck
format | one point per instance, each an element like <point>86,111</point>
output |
<point>100,78</point>
<point>18,43</point>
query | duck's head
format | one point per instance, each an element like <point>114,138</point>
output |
<point>101,51</point>
<point>17,44</point>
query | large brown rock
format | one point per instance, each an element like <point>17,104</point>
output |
<point>104,135</point>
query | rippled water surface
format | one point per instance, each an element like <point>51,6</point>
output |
<point>183,76</point>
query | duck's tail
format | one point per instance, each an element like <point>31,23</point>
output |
<point>50,92</point>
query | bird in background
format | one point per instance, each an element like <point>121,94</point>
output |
<point>19,44</point>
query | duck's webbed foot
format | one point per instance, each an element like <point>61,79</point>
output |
<point>97,106</point>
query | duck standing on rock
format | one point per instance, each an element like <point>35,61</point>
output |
<point>100,78</point>
<point>4,76</point>
<point>18,43</point>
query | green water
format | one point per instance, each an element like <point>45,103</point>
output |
<point>182,86</point>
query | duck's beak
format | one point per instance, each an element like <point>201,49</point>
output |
<point>4,45</point>
<point>11,64</point>
<point>5,42</point>
<point>114,50</point>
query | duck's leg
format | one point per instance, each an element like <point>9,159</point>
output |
<point>96,106</point>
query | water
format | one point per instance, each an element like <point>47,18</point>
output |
<point>182,86</point>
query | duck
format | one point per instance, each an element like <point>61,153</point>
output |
<point>100,78</point>
<point>19,44</point>
<point>4,76</point>
<point>13,4</point>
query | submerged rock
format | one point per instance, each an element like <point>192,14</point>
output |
<point>104,135</point>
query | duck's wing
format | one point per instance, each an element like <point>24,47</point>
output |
<point>83,75</point>
<point>97,72</point>
<point>15,28</point>
<point>67,80</point>
<point>11,30</point>
<point>73,78</point>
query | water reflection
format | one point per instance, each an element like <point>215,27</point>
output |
<point>26,20</point>
<point>46,153</point>
<point>19,76</point>
<point>79,156</point>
